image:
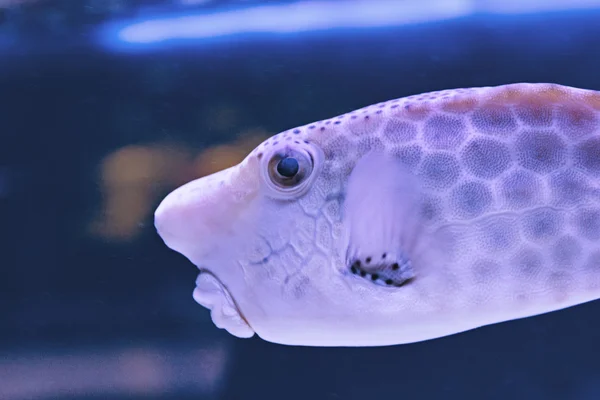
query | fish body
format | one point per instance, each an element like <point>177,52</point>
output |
<point>403,221</point>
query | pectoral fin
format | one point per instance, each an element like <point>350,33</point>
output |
<point>381,220</point>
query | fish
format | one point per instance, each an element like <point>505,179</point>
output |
<point>403,221</point>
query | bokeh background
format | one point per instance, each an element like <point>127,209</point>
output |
<point>103,113</point>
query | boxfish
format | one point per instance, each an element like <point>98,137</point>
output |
<point>402,221</point>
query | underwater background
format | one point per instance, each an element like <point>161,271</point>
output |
<point>103,113</point>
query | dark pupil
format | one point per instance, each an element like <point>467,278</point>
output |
<point>288,167</point>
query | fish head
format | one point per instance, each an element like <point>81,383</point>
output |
<point>263,234</point>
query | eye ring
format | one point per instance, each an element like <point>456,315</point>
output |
<point>288,168</point>
<point>289,171</point>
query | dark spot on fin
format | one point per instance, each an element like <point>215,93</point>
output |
<point>390,270</point>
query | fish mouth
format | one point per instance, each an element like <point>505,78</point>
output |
<point>211,293</point>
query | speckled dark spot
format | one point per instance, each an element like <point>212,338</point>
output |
<point>440,170</point>
<point>431,208</point>
<point>535,114</point>
<point>565,251</point>
<point>410,156</point>
<point>528,261</point>
<point>485,271</point>
<point>587,155</point>
<point>541,223</point>
<point>520,189</point>
<point>444,132</point>
<point>498,233</point>
<point>471,199</point>
<point>486,158</point>
<point>494,120</point>
<point>540,151</point>
<point>569,187</point>
<point>587,223</point>
<point>576,122</point>
<point>398,131</point>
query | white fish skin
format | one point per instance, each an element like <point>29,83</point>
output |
<point>486,199</point>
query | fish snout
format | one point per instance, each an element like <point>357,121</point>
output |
<point>169,220</point>
<point>190,215</point>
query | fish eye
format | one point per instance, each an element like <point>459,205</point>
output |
<point>289,168</point>
<point>288,172</point>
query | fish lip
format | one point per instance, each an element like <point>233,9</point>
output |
<point>205,270</point>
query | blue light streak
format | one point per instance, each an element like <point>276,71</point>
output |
<point>290,18</point>
<point>307,16</point>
